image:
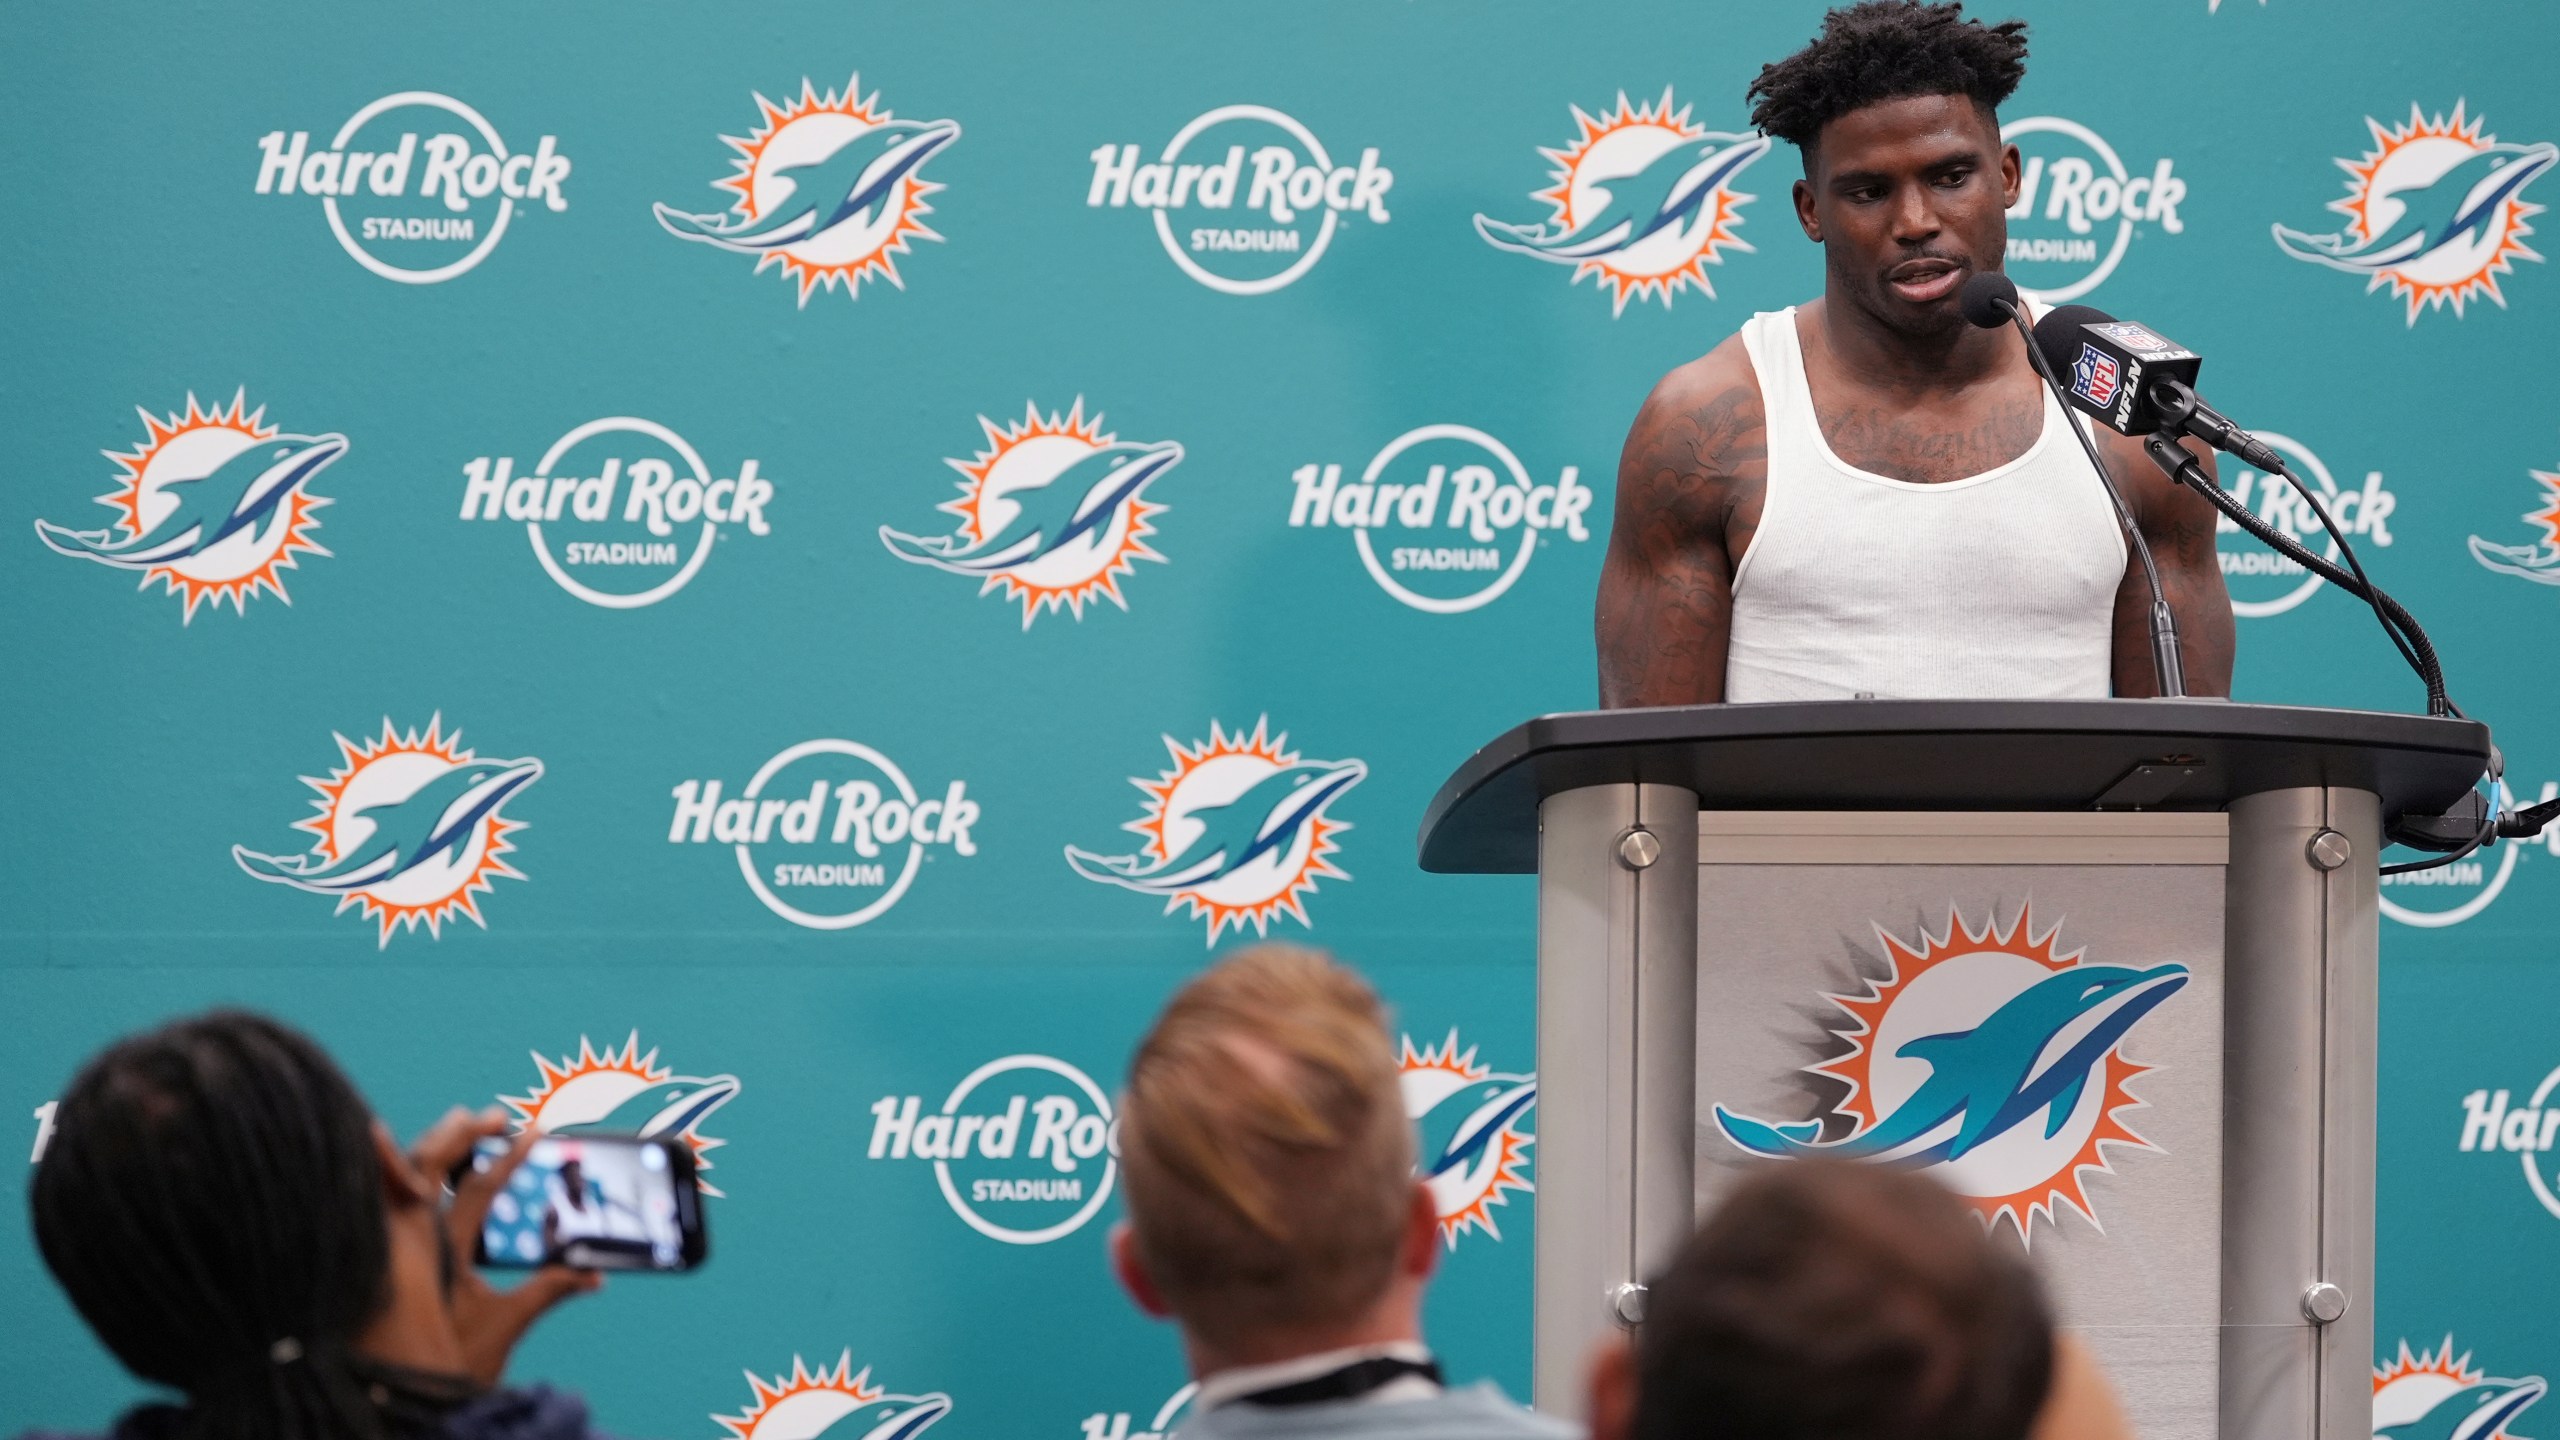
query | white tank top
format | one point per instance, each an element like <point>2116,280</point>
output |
<point>2000,585</point>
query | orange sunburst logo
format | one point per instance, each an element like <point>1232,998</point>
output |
<point>623,1092</point>
<point>2415,1385</point>
<point>1472,1144</point>
<point>409,829</point>
<point>806,1403</point>
<point>1962,1027</point>
<point>1053,512</point>
<point>828,188</point>
<point>1236,830</point>
<point>2436,211</point>
<point>212,504</point>
<point>2548,517</point>
<point>1642,198</point>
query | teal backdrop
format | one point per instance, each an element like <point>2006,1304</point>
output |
<point>1175,283</point>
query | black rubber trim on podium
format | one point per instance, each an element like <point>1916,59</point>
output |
<point>1936,755</point>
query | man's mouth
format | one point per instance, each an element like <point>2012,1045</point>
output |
<point>1921,281</point>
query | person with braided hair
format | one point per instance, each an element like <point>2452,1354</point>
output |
<point>234,1223</point>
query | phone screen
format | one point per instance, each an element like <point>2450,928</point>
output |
<point>594,1201</point>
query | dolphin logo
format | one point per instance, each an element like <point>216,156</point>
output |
<point>1667,194</point>
<point>670,1107</point>
<point>891,1417</point>
<point>2477,1411</point>
<point>438,819</point>
<point>1265,821</point>
<point>242,493</point>
<point>2035,1053</point>
<point>2458,206</point>
<point>1452,1136</point>
<point>854,181</point>
<point>2538,563</point>
<point>1079,504</point>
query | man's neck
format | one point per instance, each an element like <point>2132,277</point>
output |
<point>1396,1319</point>
<point>1876,355</point>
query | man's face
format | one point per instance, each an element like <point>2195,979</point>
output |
<point>1907,199</point>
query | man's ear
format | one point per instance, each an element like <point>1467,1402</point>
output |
<point>1421,1249</point>
<point>1131,1272</point>
<point>1804,211</point>
<point>1611,1408</point>
<point>2009,172</point>
<point>402,1185</point>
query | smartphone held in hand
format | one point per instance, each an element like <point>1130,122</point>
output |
<point>598,1202</point>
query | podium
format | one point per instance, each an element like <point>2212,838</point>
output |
<point>2105,967</point>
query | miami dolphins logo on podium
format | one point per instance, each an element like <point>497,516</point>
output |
<point>213,504</point>
<point>2435,1396</point>
<point>623,1093</point>
<point>410,830</point>
<point>1053,512</point>
<point>2539,561</point>
<point>1643,199</point>
<point>2436,211</point>
<point>830,188</point>
<point>1237,830</point>
<point>1472,1139</point>
<point>840,1404</point>
<point>1988,1059</point>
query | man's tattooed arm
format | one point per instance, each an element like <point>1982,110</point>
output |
<point>1697,448</point>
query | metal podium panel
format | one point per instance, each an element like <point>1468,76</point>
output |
<point>2036,999</point>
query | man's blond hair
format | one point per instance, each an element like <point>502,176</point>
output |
<point>1265,1148</point>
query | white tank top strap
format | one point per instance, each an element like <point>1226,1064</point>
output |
<point>2000,584</point>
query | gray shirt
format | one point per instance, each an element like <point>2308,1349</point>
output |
<point>1478,1412</point>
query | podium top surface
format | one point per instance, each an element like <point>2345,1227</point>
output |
<point>1942,755</point>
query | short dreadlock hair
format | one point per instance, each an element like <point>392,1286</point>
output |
<point>1881,50</point>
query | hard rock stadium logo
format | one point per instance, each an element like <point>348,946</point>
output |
<point>2437,1396</point>
<point>213,505</point>
<point>1245,199</point>
<point>410,830</point>
<point>1053,512</point>
<point>1164,1420</point>
<point>1472,1137</point>
<point>2436,211</point>
<point>468,187</point>
<point>844,850</point>
<point>628,489</point>
<point>1237,830</point>
<point>622,1092</point>
<point>1025,1148</point>
<point>2263,583</point>
<point>2079,207</point>
<point>2526,1126</point>
<point>1443,561</point>
<point>829,189</point>
<point>1987,1058</point>
<point>2538,562</point>
<point>1643,200</point>
<point>840,1404</point>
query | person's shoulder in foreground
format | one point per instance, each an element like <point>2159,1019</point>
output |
<point>1470,1412</point>
<point>538,1413</point>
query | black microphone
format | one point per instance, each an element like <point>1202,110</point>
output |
<point>1990,300</point>
<point>2137,381</point>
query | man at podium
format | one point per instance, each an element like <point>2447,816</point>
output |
<point>1866,495</point>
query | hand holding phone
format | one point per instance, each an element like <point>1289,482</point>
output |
<point>596,1202</point>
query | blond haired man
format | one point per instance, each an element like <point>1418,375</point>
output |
<point>1274,1214</point>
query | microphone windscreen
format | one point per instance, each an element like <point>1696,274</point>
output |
<point>2057,334</point>
<point>1987,298</point>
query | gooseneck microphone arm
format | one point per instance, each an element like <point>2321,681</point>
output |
<point>2167,664</point>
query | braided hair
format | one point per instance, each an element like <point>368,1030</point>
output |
<point>212,1203</point>
<point>1882,50</point>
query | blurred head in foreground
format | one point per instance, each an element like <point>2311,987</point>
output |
<point>1834,1300</point>
<point>1268,1164</point>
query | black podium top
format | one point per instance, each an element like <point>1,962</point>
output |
<point>1943,755</point>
